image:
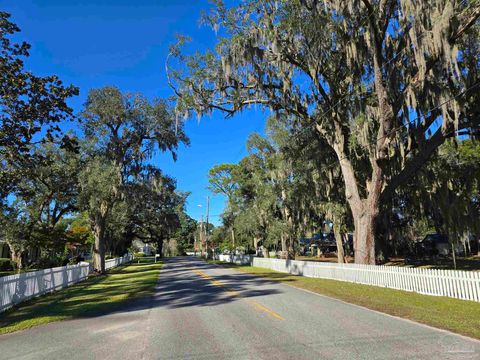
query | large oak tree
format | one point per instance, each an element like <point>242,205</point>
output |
<point>383,82</point>
<point>122,132</point>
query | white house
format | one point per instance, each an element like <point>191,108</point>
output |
<point>144,248</point>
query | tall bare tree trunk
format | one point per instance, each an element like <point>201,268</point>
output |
<point>287,244</point>
<point>160,247</point>
<point>256,239</point>
<point>291,249</point>
<point>454,258</point>
<point>99,246</point>
<point>284,245</point>
<point>339,242</point>
<point>364,238</point>
<point>98,224</point>
<point>233,237</point>
<point>364,211</point>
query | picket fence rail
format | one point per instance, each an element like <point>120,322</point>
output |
<point>235,259</point>
<point>464,285</point>
<point>20,287</point>
<point>111,263</point>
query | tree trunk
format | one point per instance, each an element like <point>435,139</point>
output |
<point>454,258</point>
<point>266,252</point>
<point>339,242</point>
<point>16,255</point>
<point>160,247</point>
<point>233,237</point>
<point>287,242</point>
<point>284,246</point>
<point>255,243</point>
<point>291,249</point>
<point>346,242</point>
<point>364,238</point>
<point>364,211</point>
<point>99,245</point>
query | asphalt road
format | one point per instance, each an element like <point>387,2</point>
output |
<point>201,311</point>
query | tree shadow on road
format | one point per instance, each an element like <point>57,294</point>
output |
<point>179,286</point>
<point>137,287</point>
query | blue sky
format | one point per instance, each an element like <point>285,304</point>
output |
<point>93,43</point>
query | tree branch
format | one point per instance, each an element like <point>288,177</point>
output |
<point>415,163</point>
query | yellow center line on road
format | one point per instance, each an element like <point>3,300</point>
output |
<point>265,309</point>
<point>236,293</point>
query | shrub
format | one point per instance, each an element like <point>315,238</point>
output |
<point>7,264</point>
<point>139,254</point>
<point>49,262</point>
<point>75,260</point>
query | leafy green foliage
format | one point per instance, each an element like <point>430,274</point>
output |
<point>41,200</point>
<point>370,90</point>
<point>28,103</point>
<point>7,265</point>
<point>122,132</point>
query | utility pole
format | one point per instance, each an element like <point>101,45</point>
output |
<point>195,244</point>
<point>201,235</point>
<point>206,228</point>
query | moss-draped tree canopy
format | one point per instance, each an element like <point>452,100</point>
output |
<point>383,82</point>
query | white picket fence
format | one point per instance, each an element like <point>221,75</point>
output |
<point>457,284</point>
<point>111,263</point>
<point>17,288</point>
<point>235,259</point>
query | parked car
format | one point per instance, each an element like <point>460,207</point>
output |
<point>437,244</point>
<point>327,243</point>
<point>431,246</point>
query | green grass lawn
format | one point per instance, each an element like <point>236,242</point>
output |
<point>460,316</point>
<point>95,296</point>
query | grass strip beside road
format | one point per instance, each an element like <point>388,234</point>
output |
<point>95,296</point>
<point>459,316</point>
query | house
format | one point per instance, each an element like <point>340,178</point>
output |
<point>142,247</point>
